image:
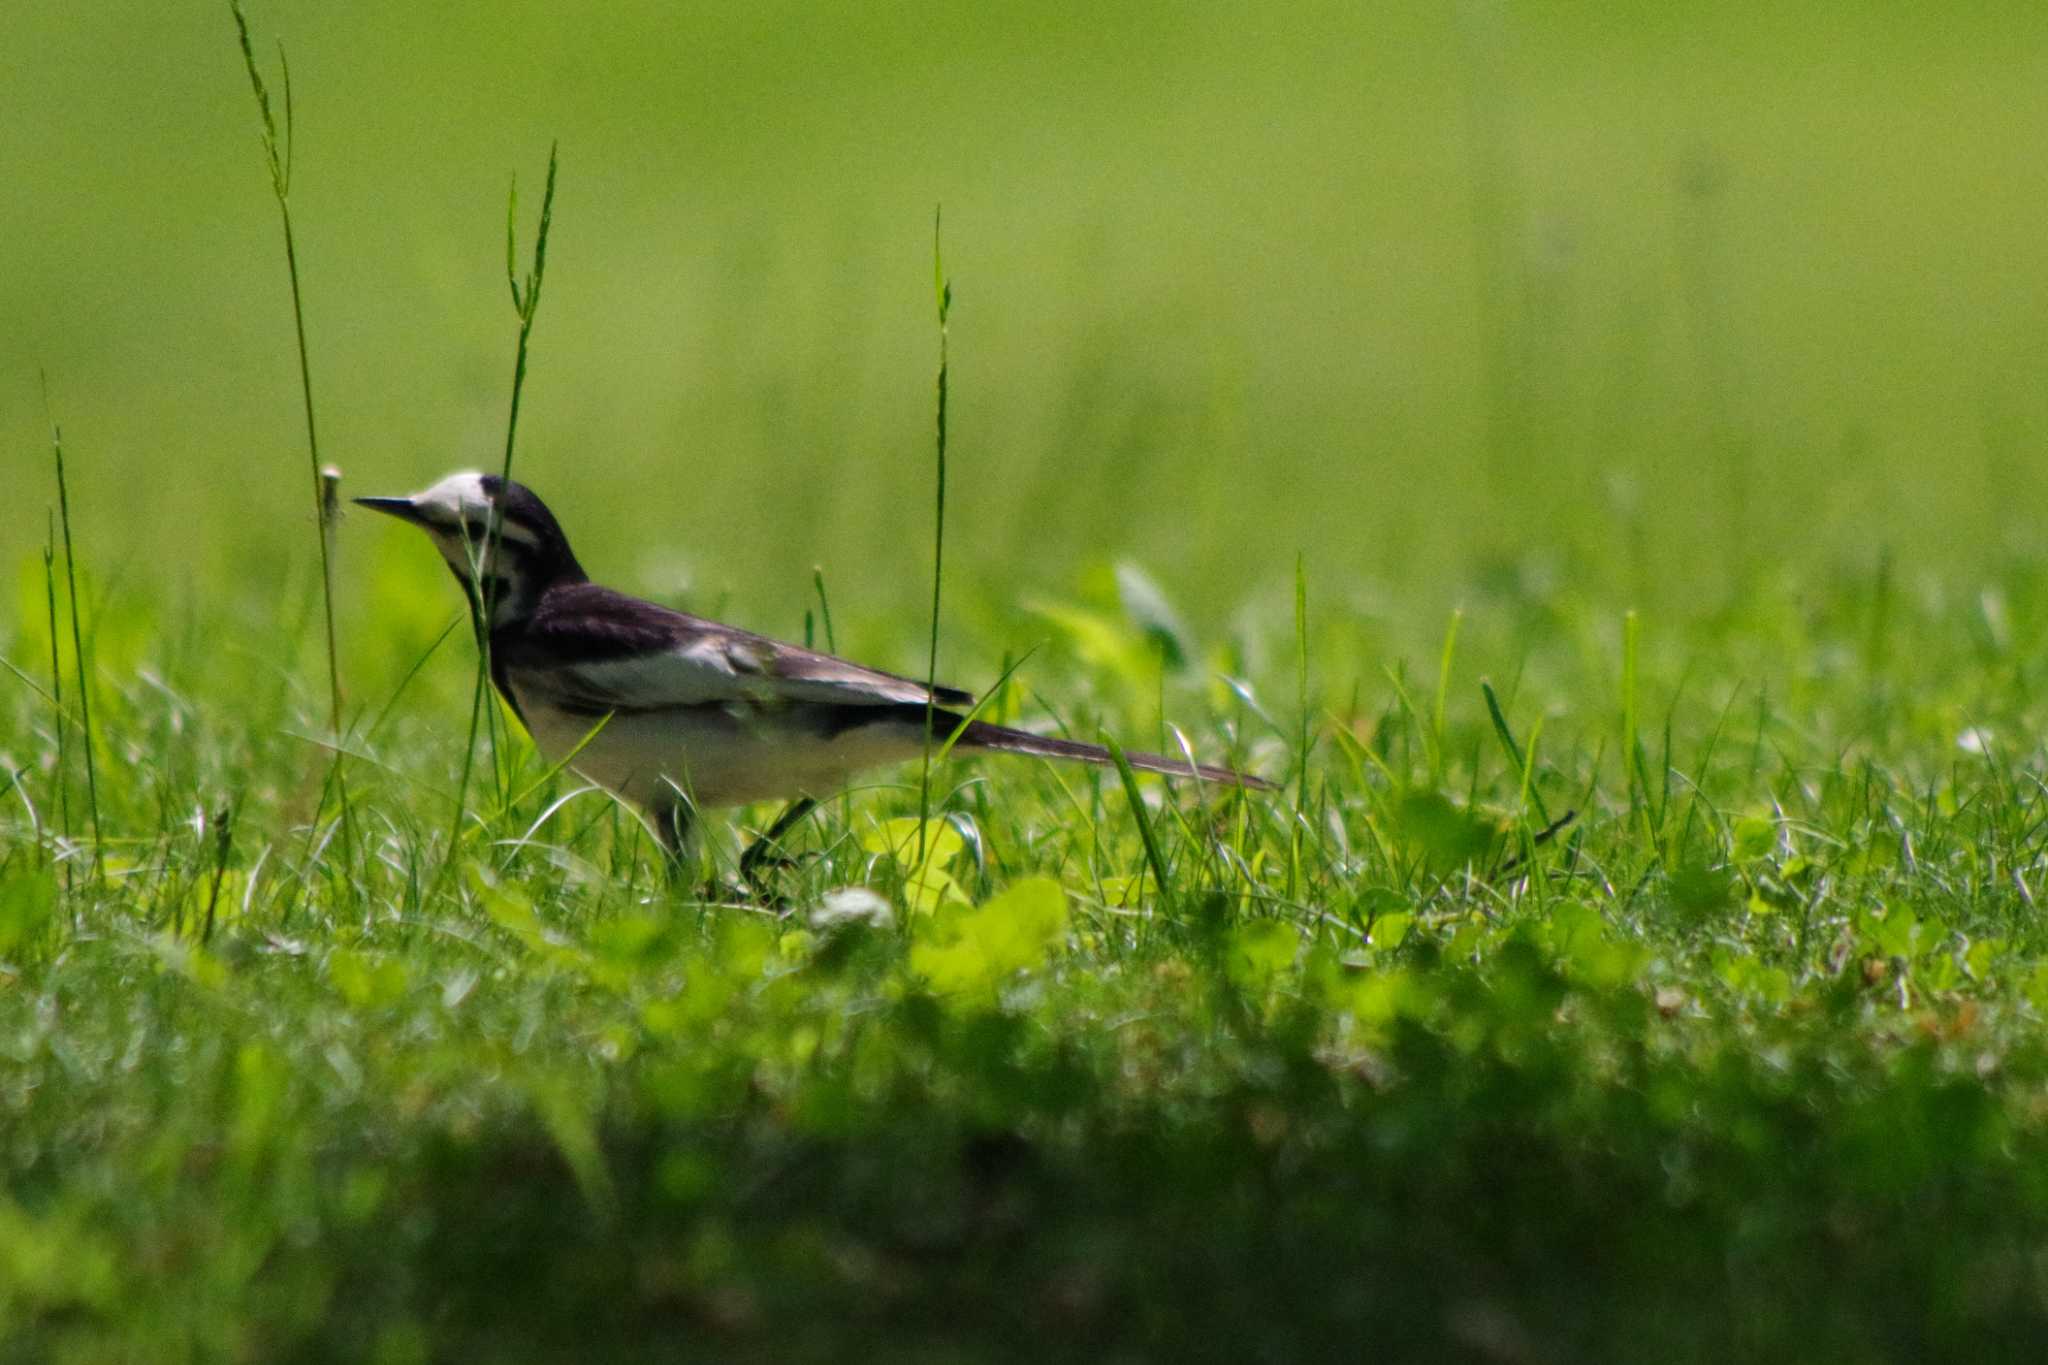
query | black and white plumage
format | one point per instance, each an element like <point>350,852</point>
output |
<point>687,713</point>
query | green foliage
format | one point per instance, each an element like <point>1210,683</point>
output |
<point>1260,950</point>
<point>1750,1035</point>
<point>1659,977</point>
<point>1439,834</point>
<point>28,901</point>
<point>922,850</point>
<point>976,951</point>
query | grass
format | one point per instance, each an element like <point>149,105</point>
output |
<point>1746,1059</point>
<point>277,154</point>
<point>942,297</point>
<point>74,613</point>
<point>1640,960</point>
<point>526,304</point>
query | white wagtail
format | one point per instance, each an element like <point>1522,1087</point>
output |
<point>676,713</point>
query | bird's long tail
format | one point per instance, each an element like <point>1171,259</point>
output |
<point>979,734</point>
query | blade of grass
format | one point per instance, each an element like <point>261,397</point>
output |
<point>987,697</point>
<point>92,786</point>
<point>223,848</point>
<point>26,679</point>
<point>17,783</point>
<point>277,153</point>
<point>384,712</point>
<point>943,292</point>
<point>824,608</point>
<point>1631,745</point>
<point>526,303</point>
<point>1301,668</point>
<point>1443,688</point>
<point>1411,718</point>
<point>63,775</point>
<point>1153,857</point>
<point>1301,706</point>
<point>1523,767</point>
<point>555,768</point>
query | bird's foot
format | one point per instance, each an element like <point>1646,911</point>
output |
<point>766,851</point>
<point>759,876</point>
<point>722,891</point>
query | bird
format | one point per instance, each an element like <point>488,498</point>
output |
<point>674,713</point>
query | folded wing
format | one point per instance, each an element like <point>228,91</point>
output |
<point>593,650</point>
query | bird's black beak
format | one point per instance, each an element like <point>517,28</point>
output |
<point>402,508</point>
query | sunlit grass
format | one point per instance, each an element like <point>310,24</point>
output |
<point>1639,959</point>
<point>1757,1031</point>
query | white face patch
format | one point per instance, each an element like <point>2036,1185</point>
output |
<point>501,543</point>
<point>458,495</point>
<point>457,512</point>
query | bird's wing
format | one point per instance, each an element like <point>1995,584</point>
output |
<point>596,650</point>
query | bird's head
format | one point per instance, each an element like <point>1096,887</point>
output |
<point>529,554</point>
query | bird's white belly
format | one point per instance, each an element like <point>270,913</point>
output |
<point>718,756</point>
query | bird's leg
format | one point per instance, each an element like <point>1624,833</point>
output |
<point>760,850</point>
<point>673,824</point>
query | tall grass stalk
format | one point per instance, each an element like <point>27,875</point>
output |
<point>277,154</point>
<point>1631,744</point>
<point>1155,858</point>
<point>824,608</point>
<point>1301,706</point>
<point>526,304</point>
<point>92,785</point>
<point>1443,692</point>
<point>57,692</point>
<point>223,847</point>
<point>1525,771</point>
<point>942,290</point>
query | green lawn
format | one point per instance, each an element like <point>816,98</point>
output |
<point>1745,1060</point>
<point>1592,468</point>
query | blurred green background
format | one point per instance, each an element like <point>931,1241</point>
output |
<point>1637,297</point>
